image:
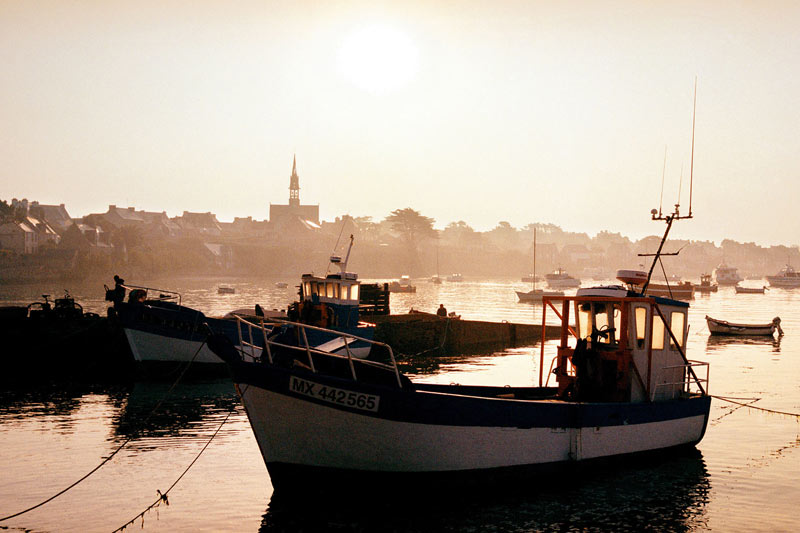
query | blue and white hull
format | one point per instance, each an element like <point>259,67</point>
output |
<point>306,422</point>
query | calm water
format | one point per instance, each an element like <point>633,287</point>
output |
<point>744,476</point>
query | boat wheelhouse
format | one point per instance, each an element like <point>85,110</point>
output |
<point>631,347</point>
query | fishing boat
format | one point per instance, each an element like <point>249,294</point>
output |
<point>722,327</point>
<point>455,277</point>
<point>561,280</point>
<point>161,331</point>
<point>787,278</point>
<point>706,285</point>
<point>679,291</point>
<point>749,290</point>
<point>727,275</point>
<point>535,295</point>
<point>226,290</point>
<point>436,280</point>
<point>623,385</point>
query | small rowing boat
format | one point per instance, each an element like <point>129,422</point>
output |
<point>722,327</point>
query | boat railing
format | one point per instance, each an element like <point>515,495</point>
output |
<point>247,347</point>
<point>694,379</point>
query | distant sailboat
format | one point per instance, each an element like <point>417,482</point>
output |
<point>437,280</point>
<point>535,295</point>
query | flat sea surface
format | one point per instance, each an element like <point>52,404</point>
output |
<point>745,475</point>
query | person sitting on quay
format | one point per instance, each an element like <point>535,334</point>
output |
<point>441,311</point>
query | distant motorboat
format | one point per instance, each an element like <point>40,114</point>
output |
<point>536,295</point>
<point>678,291</point>
<point>787,278</point>
<point>455,277</point>
<point>281,285</point>
<point>727,275</point>
<point>402,285</point>
<point>226,290</point>
<point>749,290</point>
<point>722,327</point>
<point>560,279</point>
<point>436,280</point>
<point>531,278</point>
<point>705,284</point>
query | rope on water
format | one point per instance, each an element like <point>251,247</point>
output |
<point>162,498</point>
<point>111,456</point>
<point>750,406</point>
<point>441,346</point>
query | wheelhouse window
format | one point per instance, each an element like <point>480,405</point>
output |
<point>677,321</point>
<point>354,292</point>
<point>641,326</point>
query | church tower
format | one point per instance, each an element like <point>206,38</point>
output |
<point>294,186</point>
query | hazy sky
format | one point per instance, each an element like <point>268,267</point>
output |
<point>477,111</point>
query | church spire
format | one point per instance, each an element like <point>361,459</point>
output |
<point>294,185</point>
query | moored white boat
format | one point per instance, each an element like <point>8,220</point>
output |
<point>787,278</point>
<point>722,327</point>
<point>727,275</point>
<point>749,290</point>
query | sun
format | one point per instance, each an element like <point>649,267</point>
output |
<point>378,58</point>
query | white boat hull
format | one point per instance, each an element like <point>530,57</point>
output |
<point>296,432</point>
<point>148,347</point>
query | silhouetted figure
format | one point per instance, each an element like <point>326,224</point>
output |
<point>118,294</point>
<point>441,311</point>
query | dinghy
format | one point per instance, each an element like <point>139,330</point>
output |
<point>722,327</point>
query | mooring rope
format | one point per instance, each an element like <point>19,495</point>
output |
<point>162,497</point>
<point>749,405</point>
<point>111,456</point>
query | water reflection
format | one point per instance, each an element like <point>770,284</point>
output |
<point>181,413</point>
<point>722,342</point>
<point>58,401</point>
<point>671,495</point>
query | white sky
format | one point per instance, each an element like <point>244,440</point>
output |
<point>519,111</point>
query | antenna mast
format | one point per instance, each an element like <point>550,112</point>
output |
<point>669,219</point>
<point>691,164</point>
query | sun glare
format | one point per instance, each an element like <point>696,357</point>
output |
<point>378,58</point>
